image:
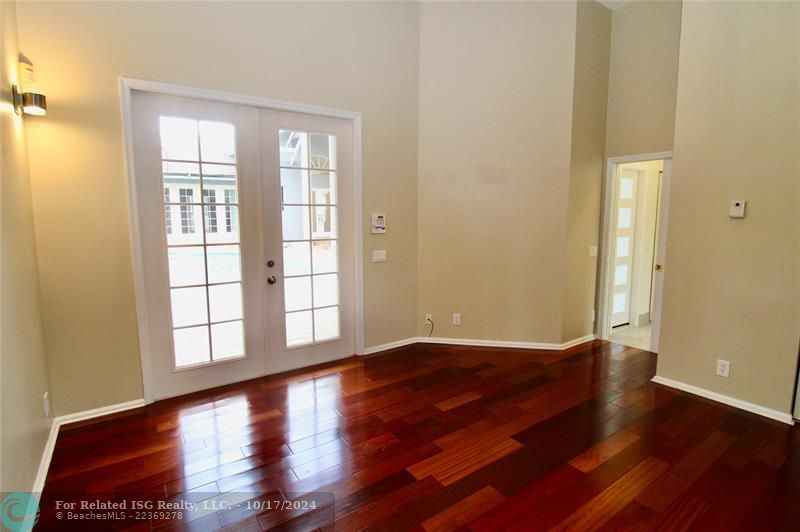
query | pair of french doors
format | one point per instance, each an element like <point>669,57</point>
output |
<point>245,227</point>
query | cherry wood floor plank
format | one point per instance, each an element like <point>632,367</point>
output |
<point>599,510</point>
<point>464,511</point>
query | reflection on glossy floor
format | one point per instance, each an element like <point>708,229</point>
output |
<point>447,437</point>
<point>638,337</point>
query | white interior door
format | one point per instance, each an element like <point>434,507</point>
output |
<point>308,193</point>
<point>198,188</point>
<point>661,256</point>
<point>625,229</point>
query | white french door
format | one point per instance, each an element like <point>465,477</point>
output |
<point>624,224</point>
<point>307,166</point>
<point>245,227</point>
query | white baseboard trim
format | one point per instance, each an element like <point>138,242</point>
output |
<point>783,417</point>
<point>55,426</point>
<point>390,345</point>
<point>478,343</point>
<point>507,343</point>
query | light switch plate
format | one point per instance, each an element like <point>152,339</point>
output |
<point>592,251</point>
<point>378,255</point>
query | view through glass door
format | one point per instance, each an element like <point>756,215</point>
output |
<point>240,216</point>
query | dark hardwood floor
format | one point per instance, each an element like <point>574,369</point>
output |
<point>440,438</point>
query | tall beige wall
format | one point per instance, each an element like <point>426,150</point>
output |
<point>495,108</point>
<point>642,78</point>
<point>732,286</point>
<point>586,171</point>
<point>361,57</point>
<point>23,366</point>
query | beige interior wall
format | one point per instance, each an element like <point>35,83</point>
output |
<point>23,366</point>
<point>361,57</point>
<point>732,286</point>
<point>592,50</point>
<point>642,79</point>
<point>494,135</point>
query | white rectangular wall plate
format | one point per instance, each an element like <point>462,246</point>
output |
<point>378,224</point>
<point>378,255</point>
<point>737,208</point>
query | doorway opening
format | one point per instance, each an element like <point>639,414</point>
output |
<point>633,249</point>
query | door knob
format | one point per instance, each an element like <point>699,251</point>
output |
<point>270,263</point>
<point>272,279</point>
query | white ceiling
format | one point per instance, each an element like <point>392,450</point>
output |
<point>613,4</point>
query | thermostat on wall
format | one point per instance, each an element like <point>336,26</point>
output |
<point>378,224</point>
<point>737,209</point>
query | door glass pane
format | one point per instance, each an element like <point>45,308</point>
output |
<point>624,219</point>
<point>295,223</point>
<point>623,246</point>
<point>620,274</point>
<point>217,142</point>
<point>225,301</point>
<point>294,185</point>
<point>225,224</point>
<point>299,329</point>
<point>298,293</point>
<point>293,148</point>
<point>223,264</point>
<point>326,323</point>
<point>323,221</point>
<point>178,138</point>
<point>296,258</point>
<point>191,346</point>
<point>227,339</point>
<point>324,256</point>
<point>323,188</point>
<point>326,290</point>
<point>626,188</point>
<point>322,151</point>
<point>619,303</point>
<point>189,306</point>
<point>309,214</point>
<point>182,199</point>
<point>219,178</point>
<point>201,209</point>
<point>186,266</point>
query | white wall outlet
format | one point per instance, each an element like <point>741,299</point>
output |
<point>46,400</point>
<point>593,316</point>
<point>723,368</point>
<point>456,318</point>
<point>592,251</point>
<point>428,319</point>
<point>378,255</point>
<point>737,209</point>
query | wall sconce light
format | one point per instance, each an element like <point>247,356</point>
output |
<point>32,103</point>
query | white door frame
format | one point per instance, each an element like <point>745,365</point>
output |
<point>127,85</point>
<point>606,260</point>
